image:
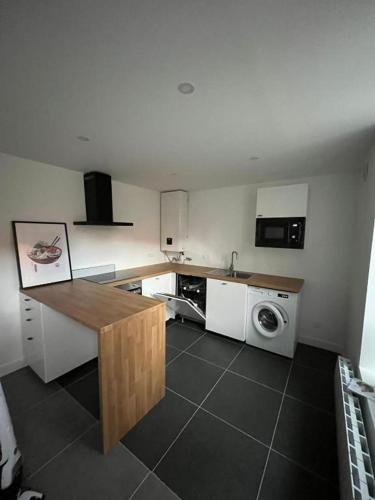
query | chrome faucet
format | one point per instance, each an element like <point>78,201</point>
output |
<point>231,267</point>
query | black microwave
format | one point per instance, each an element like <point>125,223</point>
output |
<point>280,232</point>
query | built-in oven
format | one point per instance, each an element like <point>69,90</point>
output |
<point>280,232</point>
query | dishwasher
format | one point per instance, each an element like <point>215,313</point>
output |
<point>189,301</point>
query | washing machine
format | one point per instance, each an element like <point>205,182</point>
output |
<point>272,320</point>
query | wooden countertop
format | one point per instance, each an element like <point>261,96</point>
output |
<point>95,306</point>
<point>282,283</point>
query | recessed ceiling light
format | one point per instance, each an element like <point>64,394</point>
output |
<point>254,158</point>
<point>186,88</point>
<point>83,138</point>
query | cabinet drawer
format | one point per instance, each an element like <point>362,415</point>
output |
<point>27,302</point>
<point>32,336</point>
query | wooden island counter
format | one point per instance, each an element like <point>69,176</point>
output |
<point>131,348</point>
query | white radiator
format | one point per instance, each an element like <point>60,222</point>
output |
<point>356,475</point>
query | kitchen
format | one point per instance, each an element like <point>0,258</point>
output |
<point>243,404</point>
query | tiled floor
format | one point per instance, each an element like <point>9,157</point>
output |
<point>236,423</point>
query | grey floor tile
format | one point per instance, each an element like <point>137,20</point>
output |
<point>24,389</point>
<point>247,405</point>
<point>181,337</point>
<point>312,386</point>
<point>312,357</point>
<point>191,377</point>
<point>211,460</point>
<point>171,353</point>
<point>264,367</point>
<point>216,349</point>
<point>152,436</point>
<point>83,472</point>
<point>86,392</point>
<point>307,436</point>
<point>286,481</point>
<point>192,324</point>
<point>154,489</point>
<point>48,427</point>
<point>77,373</point>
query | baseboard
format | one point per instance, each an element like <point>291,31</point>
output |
<point>321,343</point>
<point>7,368</point>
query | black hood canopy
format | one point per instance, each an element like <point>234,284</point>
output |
<point>98,197</point>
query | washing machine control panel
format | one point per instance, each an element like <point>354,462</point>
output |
<point>264,292</point>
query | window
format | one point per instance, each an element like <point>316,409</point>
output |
<point>367,359</point>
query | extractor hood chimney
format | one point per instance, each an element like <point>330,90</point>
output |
<point>98,196</point>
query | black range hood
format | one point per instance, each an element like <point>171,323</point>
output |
<point>98,196</point>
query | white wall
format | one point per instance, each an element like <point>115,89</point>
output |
<point>367,358</point>
<point>222,220</point>
<point>35,191</point>
<point>361,259</point>
<point>360,341</point>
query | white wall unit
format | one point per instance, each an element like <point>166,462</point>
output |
<point>53,343</point>
<point>282,201</point>
<point>174,219</point>
<point>165,283</point>
<point>226,308</point>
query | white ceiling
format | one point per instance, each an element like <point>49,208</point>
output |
<point>289,81</point>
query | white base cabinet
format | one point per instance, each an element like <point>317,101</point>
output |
<point>226,308</point>
<point>53,343</point>
<point>165,283</point>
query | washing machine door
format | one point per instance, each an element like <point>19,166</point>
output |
<point>269,319</point>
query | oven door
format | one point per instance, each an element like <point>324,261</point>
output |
<point>280,232</point>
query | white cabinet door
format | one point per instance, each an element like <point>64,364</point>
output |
<point>67,343</point>
<point>226,307</point>
<point>53,343</point>
<point>165,283</point>
<point>282,201</point>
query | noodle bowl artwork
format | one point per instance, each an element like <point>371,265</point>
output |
<point>45,253</point>
<point>42,252</point>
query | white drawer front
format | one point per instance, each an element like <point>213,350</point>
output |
<point>32,335</point>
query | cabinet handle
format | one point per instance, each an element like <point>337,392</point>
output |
<point>224,283</point>
<point>29,319</point>
<point>30,338</point>
<point>28,309</point>
<point>27,300</point>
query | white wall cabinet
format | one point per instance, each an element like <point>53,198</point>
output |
<point>226,308</point>
<point>174,221</point>
<point>165,283</point>
<point>53,343</point>
<point>282,201</point>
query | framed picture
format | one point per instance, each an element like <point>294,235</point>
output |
<point>42,250</point>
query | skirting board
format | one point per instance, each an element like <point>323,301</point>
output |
<point>7,368</point>
<point>321,343</point>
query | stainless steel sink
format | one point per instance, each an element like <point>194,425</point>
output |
<point>241,274</point>
<point>232,274</point>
